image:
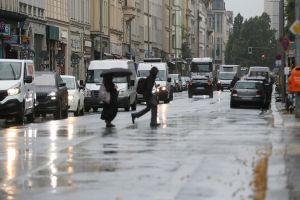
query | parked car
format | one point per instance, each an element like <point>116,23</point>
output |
<point>52,95</point>
<point>17,92</point>
<point>262,74</point>
<point>76,95</point>
<point>200,85</point>
<point>248,92</point>
<point>176,82</point>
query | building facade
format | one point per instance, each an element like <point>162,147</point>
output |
<point>11,29</point>
<point>272,8</point>
<point>79,37</point>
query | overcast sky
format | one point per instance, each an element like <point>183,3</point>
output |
<point>247,8</point>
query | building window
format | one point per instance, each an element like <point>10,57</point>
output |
<point>29,10</point>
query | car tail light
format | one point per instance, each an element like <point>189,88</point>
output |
<point>234,93</point>
<point>258,93</point>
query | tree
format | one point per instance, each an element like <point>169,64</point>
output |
<point>290,18</point>
<point>255,32</point>
<point>233,42</point>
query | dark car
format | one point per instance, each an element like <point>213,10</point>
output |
<point>51,95</point>
<point>248,93</point>
<point>200,85</point>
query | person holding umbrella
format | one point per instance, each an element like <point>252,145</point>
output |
<point>110,109</point>
<point>150,99</point>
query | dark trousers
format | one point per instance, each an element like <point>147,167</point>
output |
<point>151,104</point>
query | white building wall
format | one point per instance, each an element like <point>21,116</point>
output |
<point>271,7</point>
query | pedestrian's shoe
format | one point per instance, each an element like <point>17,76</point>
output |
<point>132,118</point>
<point>110,125</point>
<point>155,124</point>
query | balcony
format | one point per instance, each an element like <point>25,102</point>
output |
<point>128,10</point>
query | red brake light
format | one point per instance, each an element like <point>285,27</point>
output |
<point>234,93</point>
<point>259,93</point>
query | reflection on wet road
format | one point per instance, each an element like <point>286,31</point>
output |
<point>202,150</point>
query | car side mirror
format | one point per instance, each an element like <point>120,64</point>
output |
<point>28,79</point>
<point>63,84</point>
<point>132,82</point>
<point>169,80</point>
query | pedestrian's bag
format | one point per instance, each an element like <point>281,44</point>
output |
<point>141,86</point>
<point>103,94</point>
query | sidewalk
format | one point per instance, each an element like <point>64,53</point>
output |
<point>283,165</point>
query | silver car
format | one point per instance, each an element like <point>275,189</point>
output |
<point>248,92</point>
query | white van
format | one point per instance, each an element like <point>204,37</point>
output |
<point>17,91</point>
<point>164,90</point>
<point>126,85</point>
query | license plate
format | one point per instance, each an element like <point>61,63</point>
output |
<point>200,88</point>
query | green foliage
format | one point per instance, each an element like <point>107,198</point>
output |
<point>290,18</point>
<point>256,33</point>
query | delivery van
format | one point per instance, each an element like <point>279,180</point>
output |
<point>126,86</point>
<point>163,88</point>
<point>17,91</point>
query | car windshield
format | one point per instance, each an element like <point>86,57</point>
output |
<point>175,77</point>
<point>10,70</point>
<point>70,83</point>
<point>201,67</point>
<point>226,76</point>
<point>247,85</point>
<point>258,74</point>
<point>44,79</point>
<point>161,76</point>
<point>93,76</point>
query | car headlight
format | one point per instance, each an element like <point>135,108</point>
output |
<point>219,82</point>
<point>71,97</point>
<point>163,88</point>
<point>52,95</point>
<point>14,90</point>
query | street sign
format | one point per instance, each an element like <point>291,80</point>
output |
<point>295,28</point>
<point>285,43</point>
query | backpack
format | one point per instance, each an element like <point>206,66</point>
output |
<point>141,86</point>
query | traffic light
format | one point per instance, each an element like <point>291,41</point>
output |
<point>249,50</point>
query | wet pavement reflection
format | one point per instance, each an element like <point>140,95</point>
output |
<point>202,150</point>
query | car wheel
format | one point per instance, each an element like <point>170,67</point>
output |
<point>232,105</point>
<point>81,113</point>
<point>87,109</point>
<point>57,113</point>
<point>20,117</point>
<point>65,113</point>
<point>171,95</point>
<point>76,113</point>
<point>31,117</point>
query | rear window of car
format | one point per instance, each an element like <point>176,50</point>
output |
<point>247,85</point>
<point>199,80</point>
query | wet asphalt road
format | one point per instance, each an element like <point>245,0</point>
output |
<point>202,150</point>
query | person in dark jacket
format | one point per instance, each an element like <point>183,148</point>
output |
<point>234,80</point>
<point>151,101</point>
<point>110,109</point>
